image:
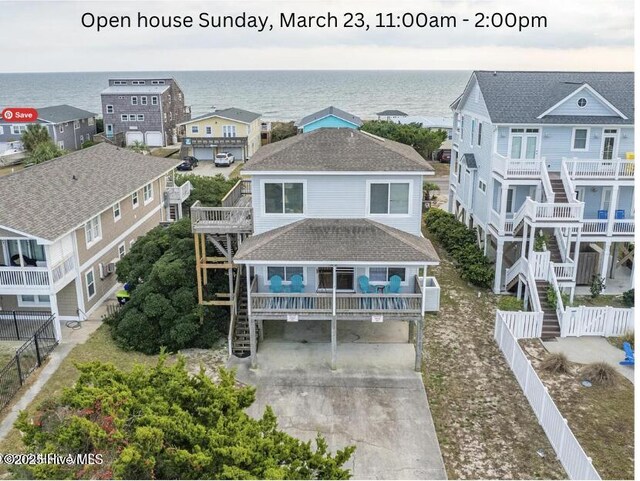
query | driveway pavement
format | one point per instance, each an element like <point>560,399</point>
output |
<point>588,349</point>
<point>374,400</point>
<point>206,168</point>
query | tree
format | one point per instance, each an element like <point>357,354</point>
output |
<point>35,135</point>
<point>208,190</point>
<point>163,423</point>
<point>139,147</point>
<point>99,125</point>
<point>425,141</point>
<point>282,130</point>
<point>44,151</point>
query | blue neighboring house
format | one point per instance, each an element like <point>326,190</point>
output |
<point>551,153</point>
<point>330,117</point>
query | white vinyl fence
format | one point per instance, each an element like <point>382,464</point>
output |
<point>573,458</point>
<point>523,325</point>
<point>596,321</point>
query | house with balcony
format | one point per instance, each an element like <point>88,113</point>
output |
<point>548,154</point>
<point>68,127</point>
<point>231,130</point>
<point>330,117</point>
<point>326,231</point>
<point>65,223</point>
<point>145,110</point>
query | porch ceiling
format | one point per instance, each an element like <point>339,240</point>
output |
<point>337,240</point>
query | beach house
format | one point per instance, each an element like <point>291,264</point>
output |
<point>542,166</point>
<point>65,223</point>
<point>326,231</point>
<point>235,131</point>
<point>330,117</point>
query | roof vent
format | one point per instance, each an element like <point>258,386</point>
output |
<point>73,177</point>
<point>495,74</point>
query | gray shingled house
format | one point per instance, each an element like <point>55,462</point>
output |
<point>145,110</point>
<point>59,256</point>
<point>69,127</point>
<point>330,232</point>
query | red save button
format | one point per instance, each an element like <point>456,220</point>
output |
<point>19,114</point>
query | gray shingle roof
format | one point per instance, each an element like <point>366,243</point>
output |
<point>520,97</point>
<point>134,89</point>
<point>60,113</point>
<point>392,113</point>
<point>45,201</point>
<point>63,113</point>
<point>341,114</point>
<point>337,240</point>
<point>231,113</point>
<point>470,160</point>
<point>337,150</point>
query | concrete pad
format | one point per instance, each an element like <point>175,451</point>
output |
<point>348,331</point>
<point>588,349</point>
<point>374,400</point>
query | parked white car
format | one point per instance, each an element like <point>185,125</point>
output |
<point>223,159</point>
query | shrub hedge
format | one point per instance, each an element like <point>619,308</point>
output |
<point>460,242</point>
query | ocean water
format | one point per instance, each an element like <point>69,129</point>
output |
<point>278,95</point>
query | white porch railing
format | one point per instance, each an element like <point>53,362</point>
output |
<point>517,168</point>
<point>564,271</point>
<point>178,193</point>
<point>568,450</point>
<point>24,276</point>
<point>62,268</point>
<point>546,185</point>
<point>523,325</point>
<point>548,212</point>
<point>624,226</point>
<point>605,226</point>
<point>597,321</point>
<point>613,169</point>
<point>222,219</point>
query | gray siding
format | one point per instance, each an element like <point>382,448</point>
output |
<point>70,136</point>
<point>594,106</point>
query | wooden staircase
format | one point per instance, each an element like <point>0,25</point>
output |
<point>560,195</point>
<point>241,344</point>
<point>550,326</point>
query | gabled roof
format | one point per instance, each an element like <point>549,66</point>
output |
<point>52,198</point>
<point>391,113</point>
<point>239,115</point>
<point>320,114</point>
<point>62,113</point>
<point>337,240</point>
<point>134,89</point>
<point>337,150</point>
<point>56,114</point>
<point>521,97</point>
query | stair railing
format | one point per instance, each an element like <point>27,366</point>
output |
<point>234,309</point>
<point>533,288</point>
<point>546,183</point>
<point>553,281</point>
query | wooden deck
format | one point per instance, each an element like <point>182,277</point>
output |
<point>235,216</point>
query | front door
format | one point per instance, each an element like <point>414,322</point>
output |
<point>345,277</point>
<point>609,143</point>
<point>524,143</point>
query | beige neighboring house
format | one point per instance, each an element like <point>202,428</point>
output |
<point>231,130</point>
<point>64,225</point>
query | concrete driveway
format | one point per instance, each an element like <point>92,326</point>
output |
<point>206,168</point>
<point>374,400</point>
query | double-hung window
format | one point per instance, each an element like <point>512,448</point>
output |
<point>580,139</point>
<point>389,198</point>
<point>117,213</point>
<point>109,109</point>
<point>134,100</point>
<point>207,130</point>
<point>93,231</point>
<point>284,197</point>
<point>143,100</point>
<point>228,130</point>
<point>384,274</point>
<point>479,133</point>
<point>285,272</point>
<point>147,193</point>
<point>194,129</point>
<point>135,201</point>
<point>76,124</point>
<point>154,100</point>
<point>90,282</point>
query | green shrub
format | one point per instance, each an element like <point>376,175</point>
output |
<point>628,298</point>
<point>510,303</point>
<point>553,298</point>
<point>460,242</point>
<point>540,241</point>
<point>597,286</point>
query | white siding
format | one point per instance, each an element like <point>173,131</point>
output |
<point>338,196</point>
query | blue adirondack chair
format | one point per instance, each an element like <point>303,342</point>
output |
<point>620,214</point>
<point>296,284</point>
<point>394,285</point>
<point>629,359</point>
<point>276,284</point>
<point>365,287</point>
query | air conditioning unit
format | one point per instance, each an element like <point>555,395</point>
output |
<point>111,267</point>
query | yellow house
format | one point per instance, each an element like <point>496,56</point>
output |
<point>230,130</point>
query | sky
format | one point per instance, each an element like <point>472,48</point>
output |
<point>48,36</point>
